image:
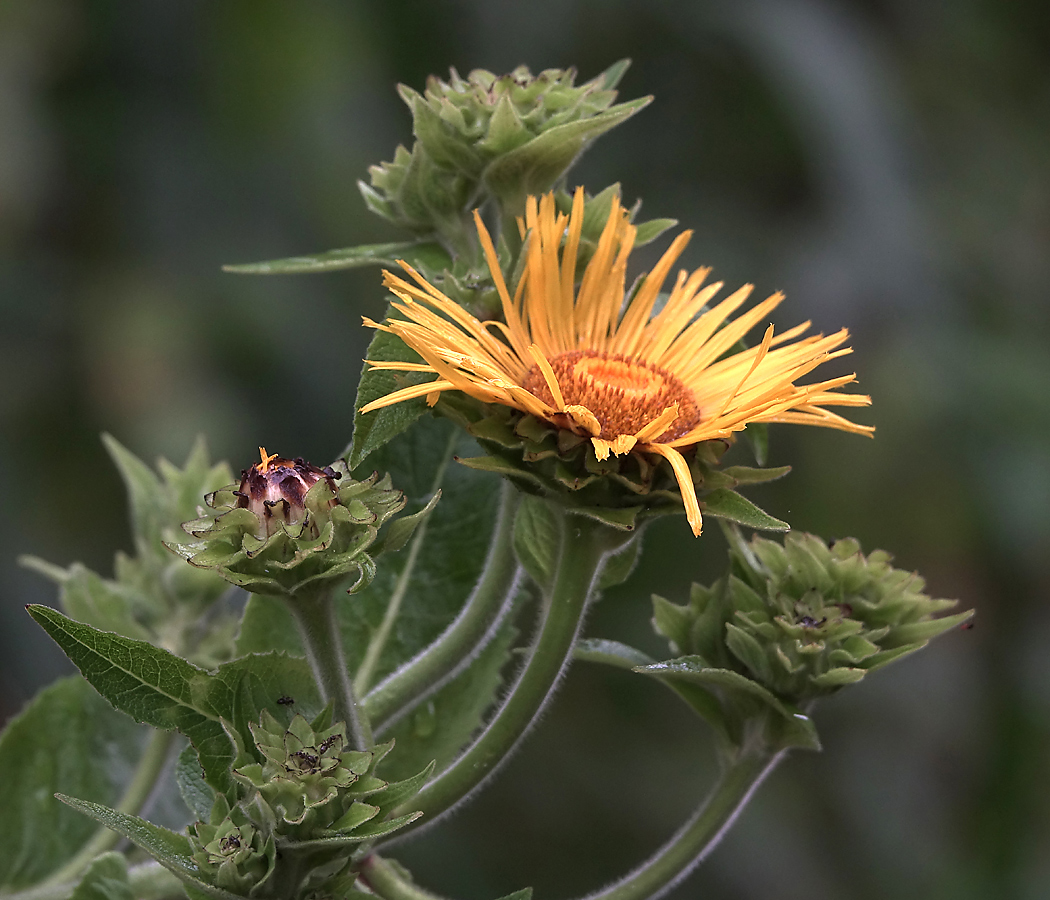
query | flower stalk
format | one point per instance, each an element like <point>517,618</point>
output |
<point>691,844</point>
<point>318,626</point>
<point>583,546</point>
<point>458,644</point>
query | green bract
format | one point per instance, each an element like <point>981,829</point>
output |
<point>300,819</point>
<point>303,771</point>
<point>338,520</point>
<point>233,854</point>
<point>507,136</point>
<point>620,491</point>
<point>804,619</point>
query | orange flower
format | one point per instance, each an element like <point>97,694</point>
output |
<point>629,376</point>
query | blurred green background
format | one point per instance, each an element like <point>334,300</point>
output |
<point>886,163</point>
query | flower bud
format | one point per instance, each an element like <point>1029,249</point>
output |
<point>233,854</point>
<point>290,526</point>
<point>303,771</point>
<point>804,619</point>
<point>275,489</point>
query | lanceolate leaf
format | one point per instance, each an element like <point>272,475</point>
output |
<point>726,504</point>
<point>149,684</point>
<point>425,254</point>
<point>67,739</point>
<point>161,689</point>
<point>171,850</point>
<point>192,787</point>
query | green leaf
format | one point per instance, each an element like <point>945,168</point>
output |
<point>796,729</point>
<point>368,831</point>
<point>610,78</point>
<point>750,475</point>
<point>536,538</point>
<point>534,167</point>
<point>146,496</point>
<point>394,794</point>
<point>90,598</point>
<point>924,631</point>
<point>757,434</point>
<point>149,684</point>
<point>373,430</point>
<point>163,690</point>
<point>67,739</point>
<point>189,777</point>
<point>105,879</point>
<point>839,676</point>
<point>441,726</point>
<point>619,566</point>
<point>651,230</point>
<point>357,815</point>
<point>399,532</point>
<point>418,254</point>
<point>726,504</point>
<point>611,653</point>
<point>171,850</point>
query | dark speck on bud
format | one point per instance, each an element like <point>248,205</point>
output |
<point>274,489</point>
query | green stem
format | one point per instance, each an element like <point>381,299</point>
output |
<point>315,617</point>
<point>366,670</point>
<point>464,638</point>
<point>148,881</point>
<point>584,544</point>
<point>385,880</point>
<point>699,836</point>
<point>149,768</point>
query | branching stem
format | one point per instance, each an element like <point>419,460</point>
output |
<point>363,678</point>
<point>691,844</point>
<point>465,636</point>
<point>584,544</point>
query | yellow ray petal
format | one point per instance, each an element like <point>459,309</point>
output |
<point>585,419</point>
<point>685,483</point>
<point>658,425</point>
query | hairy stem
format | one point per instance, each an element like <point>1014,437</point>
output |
<point>366,670</point>
<point>584,544</point>
<point>465,636</point>
<point>691,844</point>
<point>315,617</point>
<point>149,769</point>
<point>387,882</point>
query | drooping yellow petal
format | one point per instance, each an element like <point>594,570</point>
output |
<point>685,483</point>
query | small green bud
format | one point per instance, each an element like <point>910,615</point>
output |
<point>804,619</point>
<point>233,854</point>
<point>290,526</point>
<point>303,770</point>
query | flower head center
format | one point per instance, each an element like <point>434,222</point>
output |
<point>623,394</point>
<point>636,381</point>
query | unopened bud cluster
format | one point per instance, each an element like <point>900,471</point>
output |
<point>803,619</point>
<point>507,136</point>
<point>305,805</point>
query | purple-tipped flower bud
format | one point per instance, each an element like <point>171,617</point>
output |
<point>275,490</point>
